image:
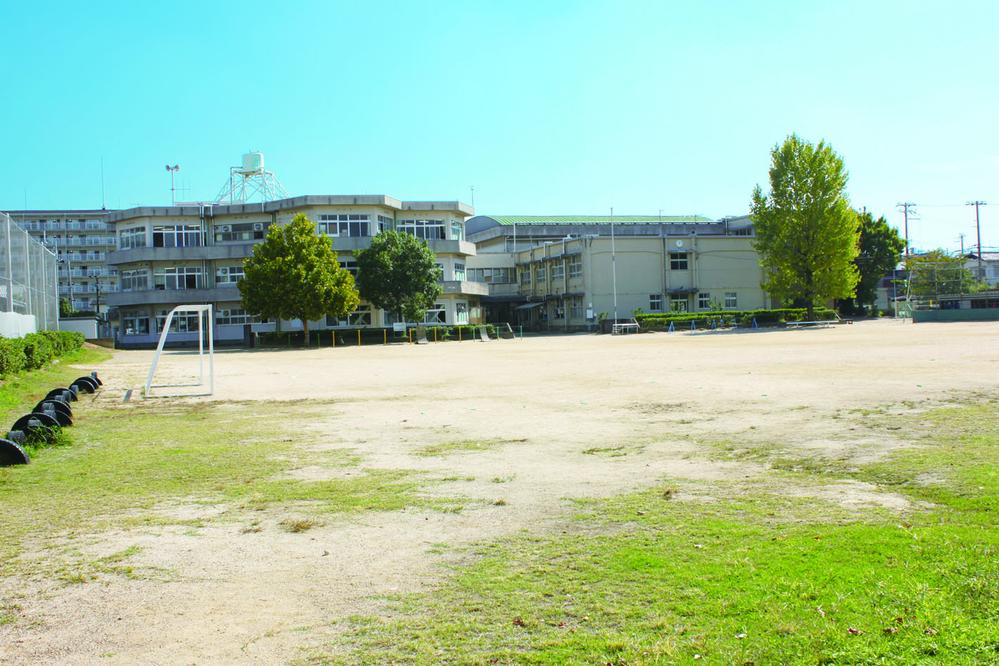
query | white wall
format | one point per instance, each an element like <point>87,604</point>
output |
<point>86,325</point>
<point>16,325</point>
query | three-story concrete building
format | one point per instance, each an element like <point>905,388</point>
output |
<point>167,256</point>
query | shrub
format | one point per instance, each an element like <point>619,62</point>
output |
<point>36,350</point>
<point>661,321</point>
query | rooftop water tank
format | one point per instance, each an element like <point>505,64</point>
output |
<point>253,162</point>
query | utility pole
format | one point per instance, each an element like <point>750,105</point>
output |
<point>613,263</point>
<point>905,206</point>
<point>978,231</point>
<point>961,237</point>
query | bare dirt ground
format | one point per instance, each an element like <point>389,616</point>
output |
<point>577,416</point>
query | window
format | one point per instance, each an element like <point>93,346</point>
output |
<point>984,303</point>
<point>136,280</point>
<point>678,305</point>
<point>731,300</point>
<point>491,275</point>
<point>575,266</point>
<point>558,311</point>
<point>246,231</point>
<point>350,265</point>
<point>425,229</point>
<point>558,270</point>
<point>459,271</point>
<point>576,308</point>
<point>525,275</point>
<point>743,231</point>
<point>132,238</point>
<point>233,317</point>
<point>655,302</point>
<point>182,322</point>
<point>539,274</point>
<point>178,277</point>
<point>134,322</point>
<point>704,301</point>
<point>435,315</point>
<point>176,235</point>
<point>359,317</point>
<point>352,225</point>
<point>440,271</point>
<point>384,223</point>
<point>678,261</point>
<point>457,231</point>
<point>461,312</point>
<point>229,274</point>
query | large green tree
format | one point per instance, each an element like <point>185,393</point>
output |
<point>399,274</point>
<point>806,232</point>
<point>294,274</point>
<point>881,249</point>
<point>936,273</point>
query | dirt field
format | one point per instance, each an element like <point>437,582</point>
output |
<point>569,417</point>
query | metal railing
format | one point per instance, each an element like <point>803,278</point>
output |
<point>28,276</point>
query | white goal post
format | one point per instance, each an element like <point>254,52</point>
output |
<point>204,321</point>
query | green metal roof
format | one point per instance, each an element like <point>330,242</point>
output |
<point>597,219</point>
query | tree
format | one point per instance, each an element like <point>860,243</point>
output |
<point>936,273</point>
<point>806,232</point>
<point>294,274</point>
<point>66,308</point>
<point>881,249</point>
<point>399,274</point>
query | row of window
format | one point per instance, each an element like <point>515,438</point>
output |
<point>704,302</point>
<point>137,322</point>
<point>336,225</point>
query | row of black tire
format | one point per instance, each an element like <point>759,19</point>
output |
<point>42,425</point>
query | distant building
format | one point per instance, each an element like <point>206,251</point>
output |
<point>989,267</point>
<point>558,272</point>
<point>173,255</point>
<point>81,239</point>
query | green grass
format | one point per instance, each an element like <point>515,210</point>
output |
<point>751,577</point>
<point>462,446</point>
<point>122,463</point>
<point>20,393</point>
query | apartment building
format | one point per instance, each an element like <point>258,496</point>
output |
<point>564,272</point>
<point>167,256</point>
<point>81,239</point>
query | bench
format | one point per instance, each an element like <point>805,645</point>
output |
<point>824,322</point>
<point>618,329</point>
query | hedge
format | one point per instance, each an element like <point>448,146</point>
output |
<point>655,321</point>
<point>36,350</point>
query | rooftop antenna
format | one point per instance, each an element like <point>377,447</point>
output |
<point>173,190</point>
<point>251,182</point>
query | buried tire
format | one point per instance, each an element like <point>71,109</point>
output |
<point>12,454</point>
<point>37,426</point>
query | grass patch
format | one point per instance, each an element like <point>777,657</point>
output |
<point>297,525</point>
<point>462,446</point>
<point>613,451</point>
<point>127,463</point>
<point>751,578</point>
<point>20,393</point>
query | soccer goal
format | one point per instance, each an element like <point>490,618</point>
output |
<point>204,313</point>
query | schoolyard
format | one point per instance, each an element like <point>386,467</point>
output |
<point>454,503</point>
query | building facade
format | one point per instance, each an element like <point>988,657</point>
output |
<point>81,240</point>
<point>565,273</point>
<point>168,256</point>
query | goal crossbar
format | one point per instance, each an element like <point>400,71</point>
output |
<point>204,322</point>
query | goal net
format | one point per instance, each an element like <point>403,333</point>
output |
<point>204,313</point>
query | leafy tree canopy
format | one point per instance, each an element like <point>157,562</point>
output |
<point>294,274</point>
<point>399,274</point>
<point>881,249</point>
<point>806,232</point>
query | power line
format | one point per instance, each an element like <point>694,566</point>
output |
<point>978,230</point>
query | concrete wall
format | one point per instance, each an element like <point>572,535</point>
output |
<point>978,314</point>
<point>16,325</point>
<point>85,325</point>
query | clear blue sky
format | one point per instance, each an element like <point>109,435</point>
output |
<point>545,107</point>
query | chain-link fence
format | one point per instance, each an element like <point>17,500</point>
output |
<point>28,276</point>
